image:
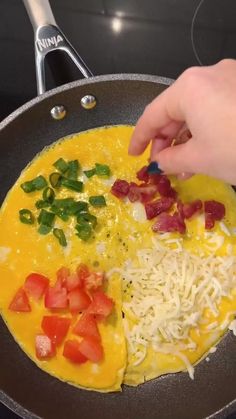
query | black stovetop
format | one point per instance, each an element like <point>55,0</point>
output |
<point>161,37</point>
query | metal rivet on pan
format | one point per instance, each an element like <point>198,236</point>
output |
<point>88,102</point>
<point>58,112</point>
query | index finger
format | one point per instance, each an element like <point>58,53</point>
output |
<point>163,112</point>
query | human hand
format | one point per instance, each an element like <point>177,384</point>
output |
<point>204,100</point>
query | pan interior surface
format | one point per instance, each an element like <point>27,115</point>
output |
<point>133,401</point>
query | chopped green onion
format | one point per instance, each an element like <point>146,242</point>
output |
<point>60,207</point>
<point>90,173</point>
<point>73,169</point>
<point>59,234</point>
<point>68,206</point>
<point>102,169</point>
<point>44,229</point>
<point>80,206</point>
<point>46,218</point>
<point>34,185</point>
<point>41,204</point>
<point>26,216</point>
<point>86,217</point>
<point>28,187</point>
<point>84,231</point>
<point>61,165</point>
<point>39,183</point>
<point>63,203</point>
<point>60,212</point>
<point>97,201</point>
<point>55,179</point>
<point>77,207</point>
<point>74,185</point>
<point>48,195</point>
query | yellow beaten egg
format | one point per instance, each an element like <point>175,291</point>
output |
<point>122,230</point>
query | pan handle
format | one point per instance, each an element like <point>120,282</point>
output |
<point>48,37</point>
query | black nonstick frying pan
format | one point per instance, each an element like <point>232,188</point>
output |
<point>74,107</point>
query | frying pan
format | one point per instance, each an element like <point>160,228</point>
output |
<point>71,108</point>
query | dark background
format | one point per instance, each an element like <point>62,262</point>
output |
<point>162,37</point>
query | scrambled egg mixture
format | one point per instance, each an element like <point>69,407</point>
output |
<point>122,231</point>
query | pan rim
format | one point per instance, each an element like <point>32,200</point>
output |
<point>83,82</point>
<point>5,399</point>
<point>15,407</point>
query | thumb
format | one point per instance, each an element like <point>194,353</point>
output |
<point>179,158</point>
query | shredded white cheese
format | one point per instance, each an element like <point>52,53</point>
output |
<point>4,252</point>
<point>224,228</point>
<point>101,247</point>
<point>49,248</point>
<point>67,249</point>
<point>168,291</point>
<point>138,212</point>
<point>212,325</point>
<point>109,182</point>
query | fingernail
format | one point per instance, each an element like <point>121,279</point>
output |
<point>184,175</point>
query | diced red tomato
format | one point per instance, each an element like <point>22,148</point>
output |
<point>120,188</point>
<point>73,281</point>
<point>87,326</point>
<point>78,300</point>
<point>20,302</point>
<point>55,328</point>
<point>82,272</point>
<point>35,285</point>
<point>44,347</point>
<point>101,304</point>
<point>94,281</point>
<point>62,275</point>
<point>71,351</point>
<point>169,223</point>
<point>155,208</point>
<point>143,175</point>
<point>92,349</point>
<point>56,298</point>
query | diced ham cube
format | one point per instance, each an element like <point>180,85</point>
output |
<point>143,175</point>
<point>147,192</point>
<point>214,211</point>
<point>165,189</point>
<point>209,222</point>
<point>188,209</point>
<point>134,193</point>
<point>155,208</point>
<point>143,193</point>
<point>169,223</point>
<point>120,188</point>
<point>215,208</point>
